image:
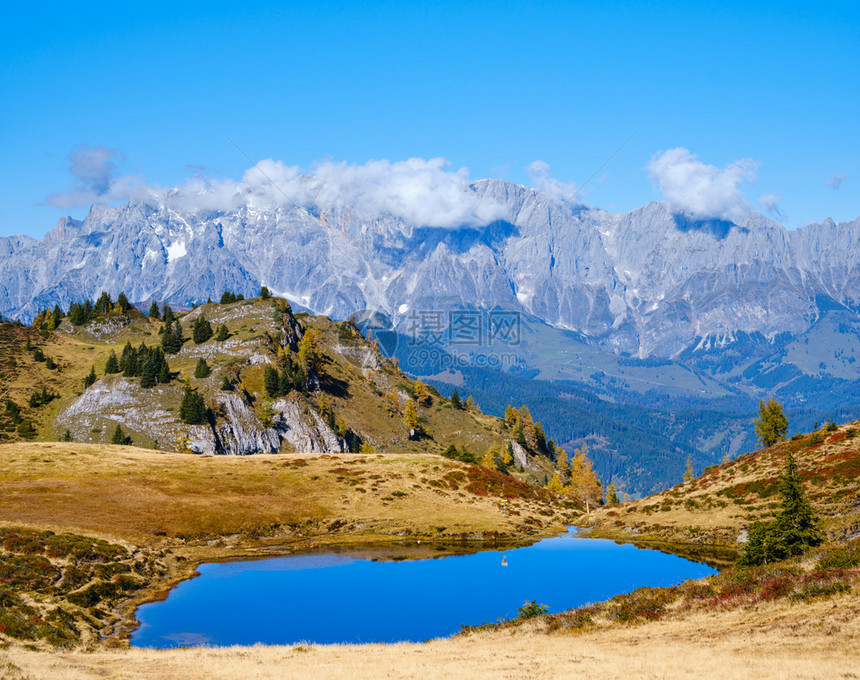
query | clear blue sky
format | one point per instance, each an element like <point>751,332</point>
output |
<point>489,86</point>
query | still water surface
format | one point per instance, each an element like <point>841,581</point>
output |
<point>349,598</point>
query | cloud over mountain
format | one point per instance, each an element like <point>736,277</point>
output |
<point>419,191</point>
<point>703,190</point>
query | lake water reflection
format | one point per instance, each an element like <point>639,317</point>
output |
<point>350,598</point>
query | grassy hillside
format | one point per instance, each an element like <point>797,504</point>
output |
<point>717,507</point>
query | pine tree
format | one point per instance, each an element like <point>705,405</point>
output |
<point>201,330</point>
<point>227,298</point>
<point>168,316</point>
<point>122,304</point>
<point>222,334</point>
<point>148,372</point>
<point>103,305</point>
<point>91,378</point>
<point>510,416</point>
<point>112,365</point>
<point>120,437</point>
<point>271,382</point>
<point>264,293</point>
<point>202,369</point>
<point>796,523</point>
<point>793,530</point>
<point>193,408</point>
<point>226,384</point>
<point>56,316</point>
<point>163,369</point>
<point>172,338</point>
<point>154,312</point>
<point>455,400</point>
<point>771,426</point>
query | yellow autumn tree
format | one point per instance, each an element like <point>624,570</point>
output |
<point>420,393</point>
<point>507,455</point>
<point>563,465</point>
<point>410,416</point>
<point>584,483</point>
<point>310,356</point>
<point>555,484</point>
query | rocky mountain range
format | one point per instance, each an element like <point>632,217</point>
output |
<point>649,283</point>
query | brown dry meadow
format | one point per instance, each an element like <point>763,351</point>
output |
<point>773,640</point>
<point>148,497</point>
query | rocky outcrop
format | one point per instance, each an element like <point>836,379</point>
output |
<point>149,416</point>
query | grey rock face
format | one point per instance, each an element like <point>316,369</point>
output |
<point>648,282</point>
<point>148,415</point>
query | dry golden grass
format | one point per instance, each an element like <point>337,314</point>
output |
<point>144,496</point>
<point>776,640</point>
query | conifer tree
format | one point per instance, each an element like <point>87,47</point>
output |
<point>201,330</point>
<point>264,293</point>
<point>771,426</point>
<point>794,529</point>
<point>193,408</point>
<point>271,382</point>
<point>202,369</point>
<point>103,305</point>
<point>455,400</point>
<point>222,334</point>
<point>510,416</point>
<point>168,315</point>
<point>120,437</point>
<point>148,372</point>
<point>91,378</point>
<point>122,303</point>
<point>226,384</point>
<point>163,370</point>
<point>154,312</point>
<point>112,365</point>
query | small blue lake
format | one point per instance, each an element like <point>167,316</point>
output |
<point>349,597</point>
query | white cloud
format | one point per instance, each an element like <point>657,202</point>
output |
<point>836,180</point>
<point>96,179</point>
<point>770,202</point>
<point>541,179</point>
<point>702,190</point>
<point>421,192</point>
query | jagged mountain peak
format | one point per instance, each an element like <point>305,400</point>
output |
<point>649,282</point>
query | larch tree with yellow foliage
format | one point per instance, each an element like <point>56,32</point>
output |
<point>584,483</point>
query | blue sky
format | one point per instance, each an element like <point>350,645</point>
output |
<point>764,97</point>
